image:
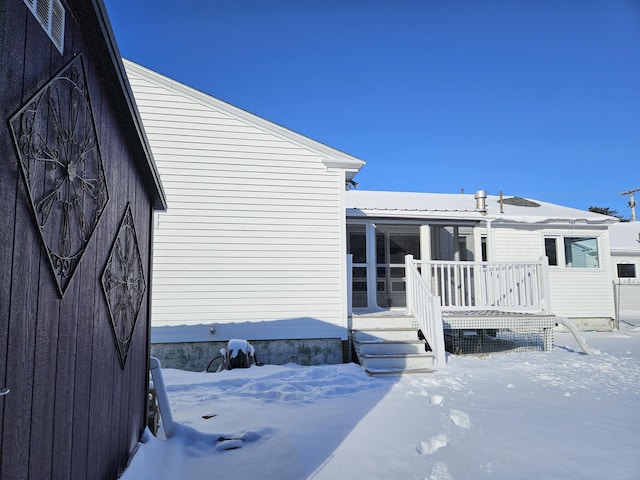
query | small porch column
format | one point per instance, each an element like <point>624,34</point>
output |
<point>372,286</point>
<point>425,242</point>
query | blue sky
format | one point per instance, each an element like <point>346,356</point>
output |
<point>538,99</point>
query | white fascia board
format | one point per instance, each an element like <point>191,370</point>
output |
<point>570,222</point>
<point>331,156</point>
<point>342,164</point>
<point>475,216</point>
<point>624,252</point>
<point>414,214</point>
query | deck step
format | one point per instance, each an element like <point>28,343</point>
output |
<point>359,322</point>
<point>389,345</point>
<point>374,347</point>
<point>397,362</point>
<point>385,334</point>
<point>397,371</point>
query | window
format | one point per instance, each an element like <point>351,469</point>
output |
<point>578,252</point>
<point>551,251</point>
<point>581,252</point>
<point>626,270</point>
<point>357,244</point>
<point>483,247</point>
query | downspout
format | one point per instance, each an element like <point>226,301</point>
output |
<point>490,255</point>
<point>163,398</point>
<point>576,333</point>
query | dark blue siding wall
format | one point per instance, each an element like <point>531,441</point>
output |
<point>73,412</point>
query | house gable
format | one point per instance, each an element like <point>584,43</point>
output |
<point>193,101</point>
<point>253,238</point>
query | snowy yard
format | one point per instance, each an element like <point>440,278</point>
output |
<point>561,414</point>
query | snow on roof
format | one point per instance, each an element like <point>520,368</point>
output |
<point>362,203</point>
<point>625,236</point>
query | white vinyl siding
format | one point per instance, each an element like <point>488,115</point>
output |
<point>516,244</point>
<point>627,290</point>
<point>575,292</point>
<point>254,224</point>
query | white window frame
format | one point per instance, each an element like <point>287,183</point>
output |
<point>560,251</point>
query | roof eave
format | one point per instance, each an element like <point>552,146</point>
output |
<point>332,157</point>
<point>552,220</point>
<point>107,57</point>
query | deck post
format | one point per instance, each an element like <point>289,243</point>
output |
<point>408,278</point>
<point>349,290</point>
<point>543,282</point>
<point>349,305</point>
<point>547,335</point>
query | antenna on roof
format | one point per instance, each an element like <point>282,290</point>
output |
<point>632,202</point>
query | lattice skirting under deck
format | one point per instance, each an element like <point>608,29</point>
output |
<point>486,332</point>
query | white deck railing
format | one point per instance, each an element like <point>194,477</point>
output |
<point>426,308</point>
<point>507,286</point>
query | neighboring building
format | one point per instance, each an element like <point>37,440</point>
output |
<point>78,188</point>
<point>253,243</point>
<point>261,221</point>
<point>625,255</point>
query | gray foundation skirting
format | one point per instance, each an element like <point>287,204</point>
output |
<point>195,356</point>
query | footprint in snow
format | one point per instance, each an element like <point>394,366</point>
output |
<point>460,419</point>
<point>235,442</point>
<point>440,471</point>
<point>433,444</point>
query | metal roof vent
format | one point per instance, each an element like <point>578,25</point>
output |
<point>481,201</point>
<point>50,15</point>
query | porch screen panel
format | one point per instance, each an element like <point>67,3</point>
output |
<point>357,247</point>
<point>392,245</point>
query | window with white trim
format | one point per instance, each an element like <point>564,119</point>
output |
<point>577,252</point>
<point>581,252</point>
<point>626,270</point>
<point>551,250</point>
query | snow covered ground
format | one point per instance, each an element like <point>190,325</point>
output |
<point>560,414</point>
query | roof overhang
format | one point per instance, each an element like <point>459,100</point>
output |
<point>105,54</point>
<point>437,206</point>
<point>331,157</point>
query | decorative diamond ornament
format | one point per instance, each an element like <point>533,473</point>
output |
<point>55,138</point>
<point>123,284</point>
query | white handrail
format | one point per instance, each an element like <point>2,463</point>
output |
<point>426,309</point>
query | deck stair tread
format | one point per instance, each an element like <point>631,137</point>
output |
<point>390,346</point>
<point>410,342</point>
<point>397,355</point>
<point>395,371</point>
<point>386,329</point>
